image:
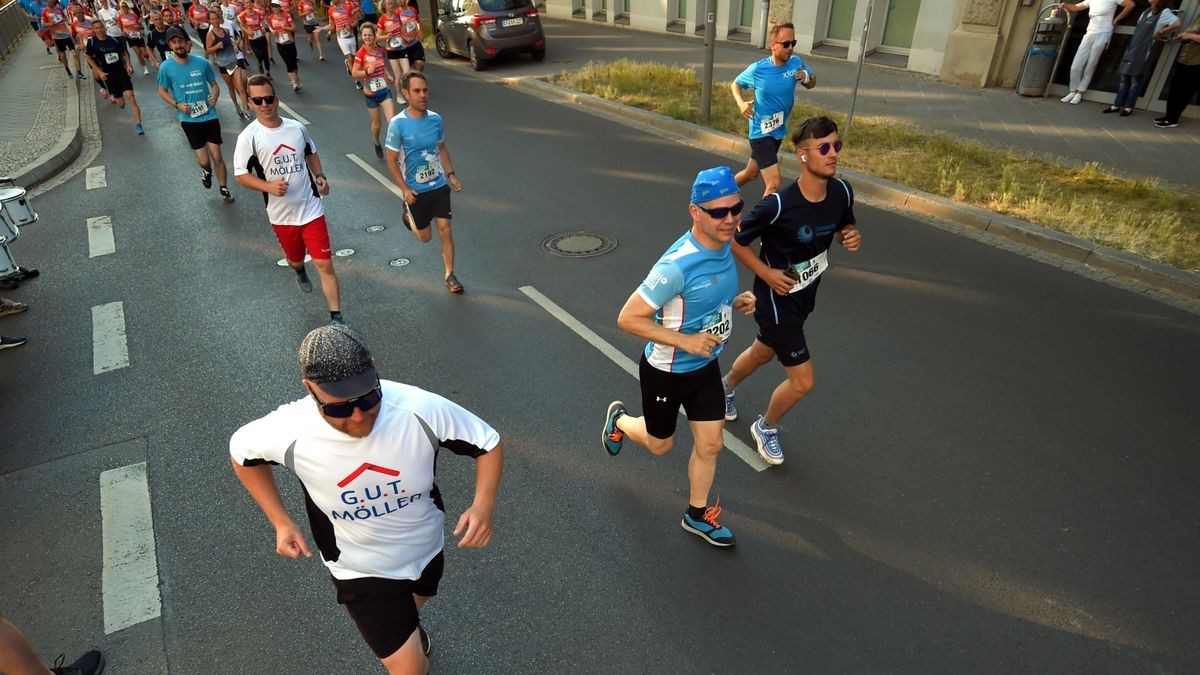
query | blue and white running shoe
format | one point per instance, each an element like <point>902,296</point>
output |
<point>767,441</point>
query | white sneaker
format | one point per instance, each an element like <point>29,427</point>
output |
<point>1076,98</point>
<point>1067,99</point>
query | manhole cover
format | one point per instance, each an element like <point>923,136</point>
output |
<point>579,244</point>
<point>376,228</point>
<point>344,252</point>
<point>398,262</point>
<point>282,262</point>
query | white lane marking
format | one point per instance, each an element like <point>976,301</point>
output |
<point>385,182</point>
<point>292,112</point>
<point>96,178</point>
<point>109,350</point>
<point>735,445</point>
<point>100,236</point>
<point>130,578</point>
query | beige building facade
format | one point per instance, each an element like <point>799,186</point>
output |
<point>979,43</point>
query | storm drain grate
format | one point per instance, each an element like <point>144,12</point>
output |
<point>579,244</point>
<point>398,262</point>
<point>375,228</point>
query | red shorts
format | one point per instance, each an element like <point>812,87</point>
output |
<point>312,235</point>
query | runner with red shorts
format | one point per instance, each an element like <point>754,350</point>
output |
<point>278,157</point>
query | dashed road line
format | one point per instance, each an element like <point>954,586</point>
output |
<point>130,576</point>
<point>109,349</point>
<point>100,236</point>
<point>374,173</point>
<point>735,445</point>
<point>96,177</point>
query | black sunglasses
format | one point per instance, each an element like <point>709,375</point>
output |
<point>345,409</point>
<point>268,100</point>
<point>824,147</point>
<point>720,212</point>
<point>787,45</point>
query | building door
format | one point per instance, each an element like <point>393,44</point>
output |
<point>746,18</point>
<point>899,26</point>
<point>841,22</point>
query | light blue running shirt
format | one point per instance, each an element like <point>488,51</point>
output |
<point>774,93</point>
<point>692,288</point>
<point>416,139</point>
<point>188,83</point>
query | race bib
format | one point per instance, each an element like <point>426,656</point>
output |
<point>111,58</point>
<point>395,43</point>
<point>134,34</point>
<point>427,173</point>
<point>720,324</point>
<point>198,108</point>
<point>283,38</point>
<point>410,27</point>
<point>771,123</point>
<point>311,16</point>
<point>805,273</point>
<point>376,84</point>
<point>254,35</point>
<point>202,26</point>
<point>344,33</point>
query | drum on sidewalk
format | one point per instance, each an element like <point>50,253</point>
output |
<point>8,266</point>
<point>15,211</point>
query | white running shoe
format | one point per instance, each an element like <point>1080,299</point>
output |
<point>1076,98</point>
<point>1067,99</point>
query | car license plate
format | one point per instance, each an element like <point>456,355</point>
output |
<point>512,22</point>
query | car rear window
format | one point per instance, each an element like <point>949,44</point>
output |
<point>502,5</point>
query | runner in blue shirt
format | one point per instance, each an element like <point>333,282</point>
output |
<point>774,81</point>
<point>420,164</point>
<point>685,309</point>
<point>188,84</point>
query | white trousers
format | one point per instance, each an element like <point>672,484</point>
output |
<point>1086,59</point>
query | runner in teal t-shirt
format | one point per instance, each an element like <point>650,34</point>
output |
<point>774,81</point>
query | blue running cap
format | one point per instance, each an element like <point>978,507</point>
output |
<point>713,184</point>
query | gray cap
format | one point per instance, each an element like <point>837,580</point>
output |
<point>175,31</point>
<point>337,359</point>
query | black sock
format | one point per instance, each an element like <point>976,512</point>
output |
<point>695,512</point>
<point>335,315</point>
<point>300,271</point>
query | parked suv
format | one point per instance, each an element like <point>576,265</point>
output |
<point>481,30</point>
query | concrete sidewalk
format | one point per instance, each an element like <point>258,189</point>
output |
<point>40,134</point>
<point>1046,128</point>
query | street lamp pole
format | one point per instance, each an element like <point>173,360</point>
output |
<point>710,48</point>
<point>862,53</point>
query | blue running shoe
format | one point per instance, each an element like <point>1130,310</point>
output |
<point>730,408</point>
<point>141,131</point>
<point>612,437</point>
<point>767,441</point>
<point>707,528</point>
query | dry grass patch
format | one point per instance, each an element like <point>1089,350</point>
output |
<point>1146,217</point>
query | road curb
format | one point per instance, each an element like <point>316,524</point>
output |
<point>64,151</point>
<point>1119,263</point>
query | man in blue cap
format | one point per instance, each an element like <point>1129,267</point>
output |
<point>684,309</point>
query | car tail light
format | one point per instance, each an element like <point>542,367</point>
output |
<point>539,43</point>
<point>532,12</point>
<point>490,50</point>
<point>478,21</point>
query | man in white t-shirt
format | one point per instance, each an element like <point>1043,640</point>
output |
<point>365,450</point>
<point>278,157</point>
<point>1102,19</point>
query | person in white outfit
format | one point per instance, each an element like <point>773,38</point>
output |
<point>1102,18</point>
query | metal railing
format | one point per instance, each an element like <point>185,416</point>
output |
<point>13,26</point>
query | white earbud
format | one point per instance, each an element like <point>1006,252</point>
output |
<point>803,158</point>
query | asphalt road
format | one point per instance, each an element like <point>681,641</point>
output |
<point>996,472</point>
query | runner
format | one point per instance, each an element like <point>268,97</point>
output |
<point>229,15</point>
<point>232,66</point>
<point>420,164</point>
<point>312,27</point>
<point>370,63</point>
<point>109,14</point>
<point>81,32</point>
<point>197,14</point>
<point>111,67</point>
<point>774,81</point>
<point>284,30</point>
<point>383,550</point>
<point>797,226</point>
<point>54,22</point>
<point>173,15</point>
<point>188,84</point>
<point>414,51</point>
<point>366,11</point>
<point>131,25</point>
<point>33,12</point>
<point>156,38</point>
<point>253,30</point>
<point>684,309</point>
<point>341,23</point>
<point>390,28</point>
<point>278,157</point>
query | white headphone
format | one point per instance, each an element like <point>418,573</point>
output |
<point>803,158</point>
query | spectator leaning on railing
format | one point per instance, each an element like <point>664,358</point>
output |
<point>1187,77</point>
<point>1095,40</point>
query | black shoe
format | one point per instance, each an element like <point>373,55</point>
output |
<point>302,281</point>
<point>91,663</point>
<point>1110,109</point>
<point>425,647</point>
<point>225,195</point>
<point>1127,112</point>
<point>206,179</point>
<point>358,85</point>
<point>24,273</point>
<point>1166,124</point>
<point>378,151</point>
<point>1161,119</point>
<point>7,341</point>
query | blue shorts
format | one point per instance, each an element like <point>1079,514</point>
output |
<point>373,100</point>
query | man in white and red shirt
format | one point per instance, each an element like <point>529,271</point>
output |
<point>278,157</point>
<point>365,451</point>
<point>54,22</point>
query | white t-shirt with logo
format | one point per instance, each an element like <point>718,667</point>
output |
<point>281,152</point>
<point>372,503</point>
<point>1101,14</point>
<point>109,17</point>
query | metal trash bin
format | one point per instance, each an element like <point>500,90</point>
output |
<point>1045,49</point>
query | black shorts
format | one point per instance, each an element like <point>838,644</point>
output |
<point>430,205</point>
<point>699,392</point>
<point>118,83</point>
<point>135,42</point>
<point>287,52</point>
<point>200,133</point>
<point>384,610</point>
<point>415,52</point>
<point>230,70</point>
<point>396,54</point>
<point>787,341</point>
<point>64,44</point>
<point>309,28</point>
<point>765,151</point>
